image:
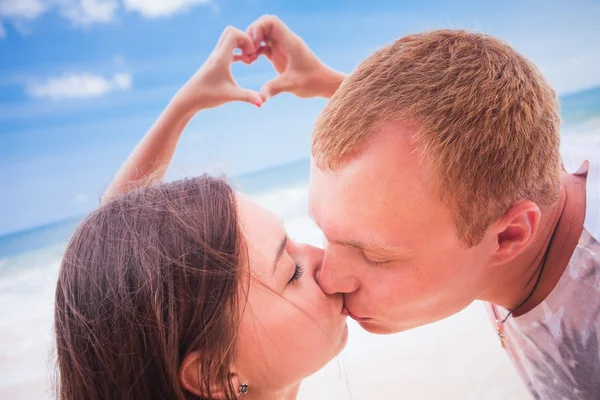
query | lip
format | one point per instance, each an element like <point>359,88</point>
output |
<point>347,312</point>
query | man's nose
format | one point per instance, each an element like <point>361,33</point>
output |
<point>333,277</point>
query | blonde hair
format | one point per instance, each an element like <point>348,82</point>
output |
<point>488,122</point>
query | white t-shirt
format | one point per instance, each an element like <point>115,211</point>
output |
<point>555,347</point>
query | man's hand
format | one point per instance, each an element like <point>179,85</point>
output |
<point>300,71</point>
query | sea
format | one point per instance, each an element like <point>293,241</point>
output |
<point>458,358</point>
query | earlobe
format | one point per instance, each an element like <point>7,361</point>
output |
<point>515,230</point>
<point>191,378</point>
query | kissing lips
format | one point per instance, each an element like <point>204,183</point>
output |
<point>347,312</point>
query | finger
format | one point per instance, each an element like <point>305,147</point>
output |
<point>233,38</point>
<point>275,86</point>
<point>266,51</point>
<point>263,29</point>
<point>249,96</point>
<point>246,59</point>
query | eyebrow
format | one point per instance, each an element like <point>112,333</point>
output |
<point>280,250</point>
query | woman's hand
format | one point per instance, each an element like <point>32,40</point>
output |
<point>213,85</point>
<point>300,71</point>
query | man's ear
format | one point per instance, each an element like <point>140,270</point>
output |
<point>515,230</point>
<point>190,378</point>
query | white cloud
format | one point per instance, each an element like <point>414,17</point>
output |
<point>87,12</point>
<point>158,8</point>
<point>122,80</point>
<point>78,12</point>
<point>85,85</point>
<point>22,9</point>
<point>20,13</point>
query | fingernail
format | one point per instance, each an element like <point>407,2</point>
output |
<point>257,103</point>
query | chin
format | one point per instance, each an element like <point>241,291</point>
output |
<point>379,328</point>
<point>339,342</point>
<point>343,339</point>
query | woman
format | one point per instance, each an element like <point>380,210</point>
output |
<point>187,290</point>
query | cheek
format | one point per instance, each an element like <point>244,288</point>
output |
<point>318,323</point>
<point>283,340</point>
<point>447,282</point>
<point>445,275</point>
<point>266,328</point>
<point>419,283</point>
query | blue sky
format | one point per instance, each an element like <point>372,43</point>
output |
<point>82,80</point>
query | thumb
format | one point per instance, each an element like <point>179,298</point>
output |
<point>249,96</point>
<point>275,86</point>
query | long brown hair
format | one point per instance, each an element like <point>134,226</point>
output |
<point>145,280</point>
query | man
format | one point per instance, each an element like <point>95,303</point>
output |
<point>437,180</point>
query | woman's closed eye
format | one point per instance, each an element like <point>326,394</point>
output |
<point>298,271</point>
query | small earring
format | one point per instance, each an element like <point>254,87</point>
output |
<point>243,388</point>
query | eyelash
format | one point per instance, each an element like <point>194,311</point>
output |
<point>371,262</point>
<point>297,273</point>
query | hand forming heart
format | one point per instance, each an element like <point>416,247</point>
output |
<point>300,71</point>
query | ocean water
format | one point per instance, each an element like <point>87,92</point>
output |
<point>458,358</point>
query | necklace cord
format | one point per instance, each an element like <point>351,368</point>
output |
<point>539,278</point>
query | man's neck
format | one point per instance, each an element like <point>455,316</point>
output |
<point>540,267</point>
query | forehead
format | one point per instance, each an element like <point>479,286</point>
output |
<point>262,230</point>
<point>382,195</point>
